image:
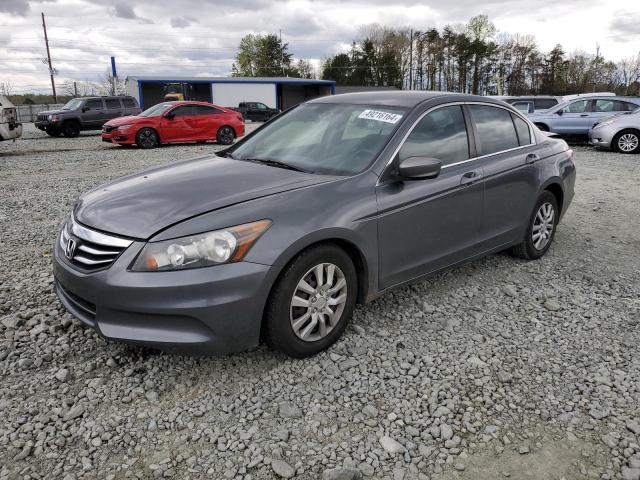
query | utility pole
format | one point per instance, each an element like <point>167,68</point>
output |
<point>114,76</point>
<point>75,89</point>
<point>46,41</point>
<point>282,52</point>
<point>411,59</point>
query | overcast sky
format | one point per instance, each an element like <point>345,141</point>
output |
<point>200,37</point>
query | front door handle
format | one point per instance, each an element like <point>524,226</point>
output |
<point>470,178</point>
<point>532,158</point>
<point>584,115</point>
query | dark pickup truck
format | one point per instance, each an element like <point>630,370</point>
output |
<point>256,111</point>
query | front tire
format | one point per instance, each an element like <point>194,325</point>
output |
<point>53,132</point>
<point>225,135</point>
<point>627,141</point>
<point>312,302</point>
<point>147,138</point>
<point>71,129</point>
<point>541,228</point>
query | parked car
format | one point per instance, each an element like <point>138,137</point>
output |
<point>577,117</point>
<point>335,202</point>
<point>620,132</point>
<point>568,98</point>
<point>256,111</point>
<point>175,122</point>
<point>10,127</point>
<point>88,113</point>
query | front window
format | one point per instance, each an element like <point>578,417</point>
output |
<point>156,110</point>
<point>73,104</point>
<point>441,134</point>
<point>324,138</point>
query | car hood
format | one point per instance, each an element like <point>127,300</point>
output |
<point>140,205</point>
<point>54,112</point>
<point>116,122</point>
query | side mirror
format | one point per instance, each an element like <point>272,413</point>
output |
<point>420,167</point>
<point>170,116</point>
<point>85,109</point>
<point>559,112</point>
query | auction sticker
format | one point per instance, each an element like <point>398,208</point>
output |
<point>380,116</point>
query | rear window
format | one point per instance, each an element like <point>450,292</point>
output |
<point>128,103</point>
<point>204,110</point>
<point>496,131</point>
<point>95,104</point>
<point>544,103</point>
<point>113,103</point>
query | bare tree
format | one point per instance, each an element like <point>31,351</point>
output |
<point>629,72</point>
<point>6,88</point>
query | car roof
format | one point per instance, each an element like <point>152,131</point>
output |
<point>406,99</point>
<point>193,102</point>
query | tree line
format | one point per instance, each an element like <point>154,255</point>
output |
<point>472,58</point>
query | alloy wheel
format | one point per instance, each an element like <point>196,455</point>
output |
<point>543,225</point>
<point>318,302</point>
<point>147,138</point>
<point>225,135</point>
<point>628,142</point>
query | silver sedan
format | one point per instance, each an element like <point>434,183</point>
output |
<point>620,133</point>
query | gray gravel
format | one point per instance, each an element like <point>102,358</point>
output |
<point>498,369</point>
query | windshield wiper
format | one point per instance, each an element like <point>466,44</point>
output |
<point>275,163</point>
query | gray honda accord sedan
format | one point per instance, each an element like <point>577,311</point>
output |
<point>329,204</point>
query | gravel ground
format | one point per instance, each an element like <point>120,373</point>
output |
<point>497,369</point>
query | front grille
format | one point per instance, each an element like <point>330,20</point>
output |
<point>88,249</point>
<point>43,118</point>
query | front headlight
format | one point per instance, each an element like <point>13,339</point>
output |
<point>205,249</point>
<point>50,117</point>
<point>603,124</point>
<point>124,127</point>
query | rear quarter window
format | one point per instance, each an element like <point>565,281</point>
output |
<point>522,129</point>
<point>496,131</point>
<point>128,103</point>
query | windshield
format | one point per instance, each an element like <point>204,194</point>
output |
<point>72,104</point>
<point>324,138</point>
<point>155,111</point>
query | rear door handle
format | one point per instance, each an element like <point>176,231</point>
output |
<point>470,178</point>
<point>584,115</point>
<point>532,158</point>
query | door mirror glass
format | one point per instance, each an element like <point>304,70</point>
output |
<point>560,112</point>
<point>420,167</point>
<point>170,116</point>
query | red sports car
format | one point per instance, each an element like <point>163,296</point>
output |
<point>175,122</point>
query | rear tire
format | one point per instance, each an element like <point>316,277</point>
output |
<point>225,135</point>
<point>627,141</point>
<point>71,129</point>
<point>285,328</point>
<point>147,138</point>
<point>541,228</point>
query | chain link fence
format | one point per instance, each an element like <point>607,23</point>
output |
<point>29,113</point>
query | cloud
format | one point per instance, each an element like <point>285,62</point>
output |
<point>122,10</point>
<point>625,24</point>
<point>182,22</point>
<point>14,7</point>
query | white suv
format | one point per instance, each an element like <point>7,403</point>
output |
<point>10,128</point>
